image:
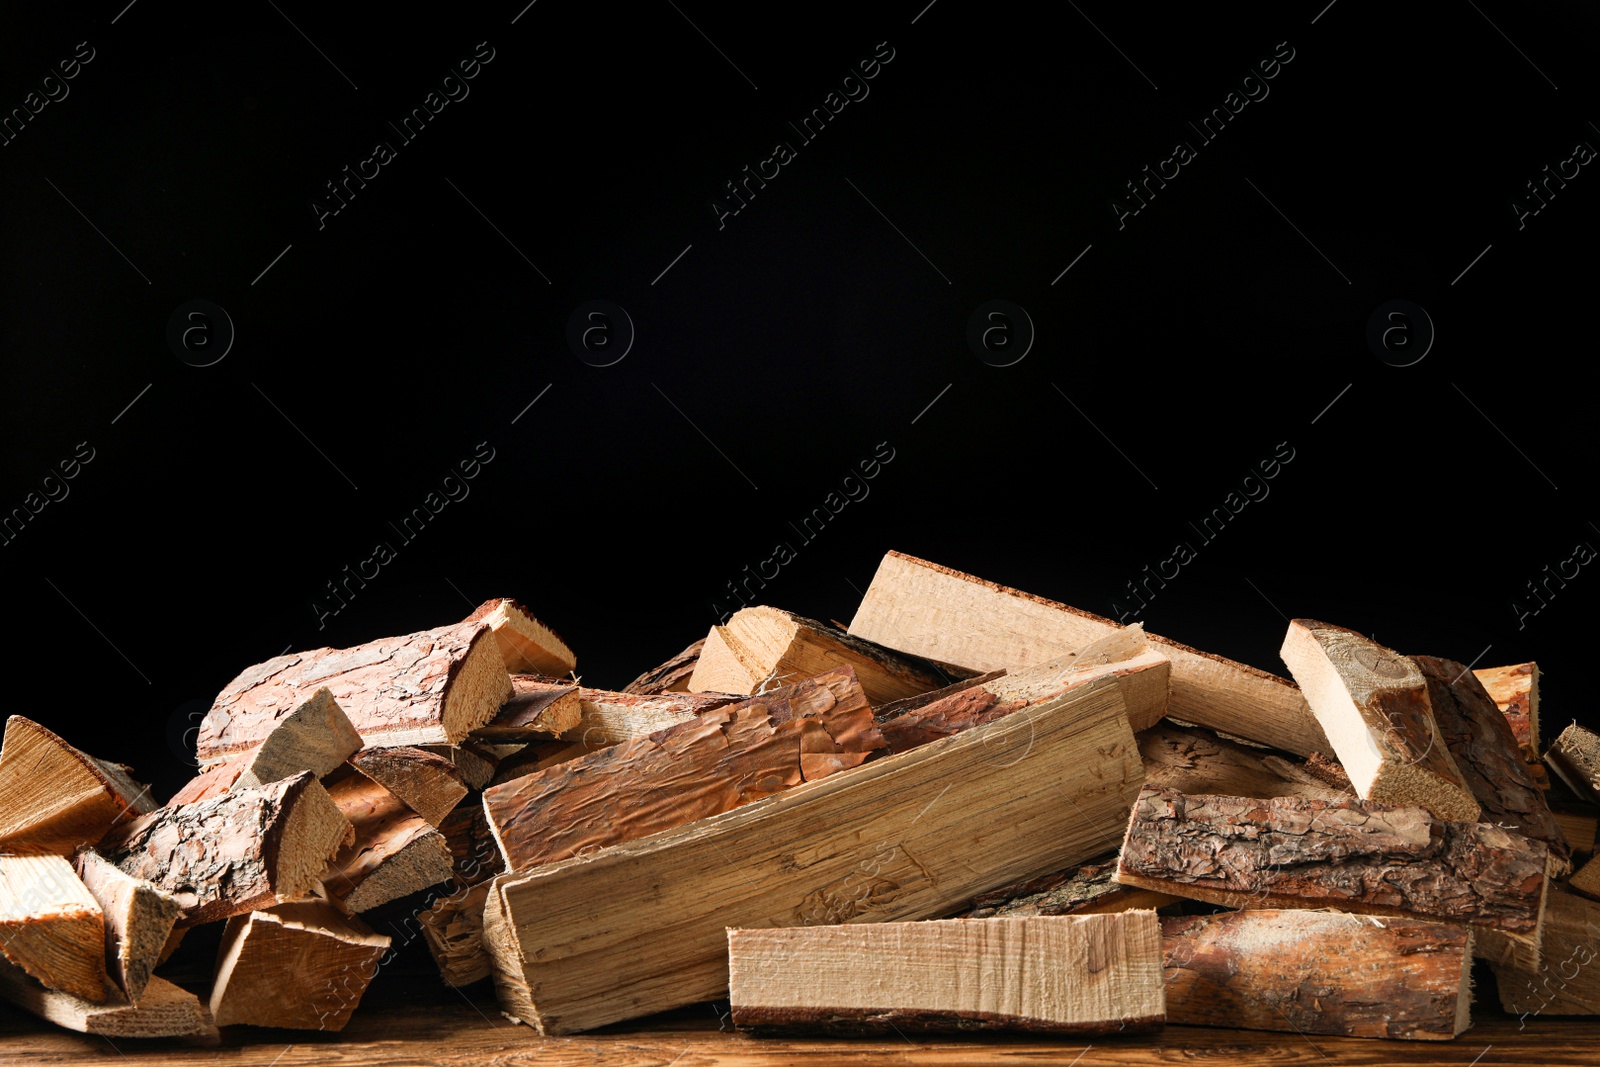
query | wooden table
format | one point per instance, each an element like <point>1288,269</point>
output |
<point>414,1020</point>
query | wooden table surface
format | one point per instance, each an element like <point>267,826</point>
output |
<point>417,1021</point>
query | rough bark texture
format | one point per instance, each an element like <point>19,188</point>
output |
<point>1515,691</point>
<point>1575,757</point>
<point>527,646</point>
<point>211,782</point>
<point>538,755</point>
<point>300,966</point>
<point>51,926</point>
<point>54,797</point>
<point>1565,980</point>
<point>245,849</point>
<point>394,850</point>
<point>714,763</point>
<point>1087,889</point>
<point>608,718</point>
<point>429,784</point>
<point>671,677</point>
<point>1318,972</point>
<point>540,708</point>
<point>1351,855</point>
<point>432,687</point>
<point>163,1011</point>
<point>139,919</point>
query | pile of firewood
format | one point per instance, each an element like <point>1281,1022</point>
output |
<point>972,809</point>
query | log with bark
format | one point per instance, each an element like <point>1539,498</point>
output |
<point>1087,889</point>
<point>433,687</point>
<point>671,677</point>
<point>968,624</point>
<point>52,927</point>
<point>428,784</point>
<point>139,920</point>
<point>607,718</point>
<point>1187,759</point>
<point>54,798</point>
<point>1373,703</point>
<point>540,708</point>
<point>393,851</point>
<point>452,926</point>
<point>1085,975</point>
<point>1515,691</point>
<point>163,1011</point>
<point>476,760</point>
<point>906,837</point>
<point>316,736</point>
<point>527,645</point>
<point>1318,972</point>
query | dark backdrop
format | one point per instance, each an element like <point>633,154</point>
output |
<point>1175,350</point>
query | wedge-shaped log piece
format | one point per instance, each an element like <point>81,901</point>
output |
<point>1515,691</point>
<point>761,646</point>
<point>163,1011</point>
<point>641,927</point>
<point>394,851</point>
<point>671,677</point>
<point>1087,889</point>
<point>476,760</point>
<point>246,849</point>
<point>1091,974</point>
<point>1319,972</point>
<point>1283,852</point>
<point>139,919</point>
<point>1575,757</point>
<point>433,687</point>
<point>1564,979</point>
<point>317,736</point>
<point>430,785</point>
<point>923,609</point>
<point>539,709</point>
<point>51,926</point>
<point>1374,705</point>
<point>713,763</point>
<point>527,645</point>
<point>607,718</point>
<point>54,798</point>
<point>299,966</point>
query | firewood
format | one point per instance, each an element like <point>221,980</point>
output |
<point>246,849</point>
<point>1286,852</point>
<point>430,785</point>
<point>163,1011</point>
<point>923,609</point>
<point>671,677</point>
<point>1187,759</point>
<point>452,928</point>
<point>139,920</point>
<point>54,798</point>
<point>1090,974</point>
<point>1373,704</point>
<point>1318,972</point>
<point>316,736</point>
<point>724,758</point>
<point>1515,691</point>
<point>1087,889</point>
<point>394,850</point>
<point>302,966</point>
<point>910,836</point>
<point>52,927</point>
<point>1575,758</point>
<point>608,718</point>
<point>1579,824</point>
<point>1562,981</point>
<point>214,781</point>
<point>433,687</point>
<point>538,710</point>
<point>476,760</point>
<point>762,646</point>
<point>538,755</point>
<point>527,645</point>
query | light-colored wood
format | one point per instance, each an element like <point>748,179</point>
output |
<point>1586,879</point>
<point>452,926</point>
<point>1574,756</point>
<point>246,849</point>
<point>1373,703</point>
<point>1319,972</point>
<point>139,920</point>
<point>1087,889</point>
<point>1089,974</point>
<point>671,677</point>
<point>527,645</point>
<point>54,798</point>
<point>1190,760</point>
<point>432,687</point>
<point>163,1011</point>
<point>1515,691</point>
<point>52,927</point>
<point>763,646</point>
<point>476,760</point>
<point>299,966</point>
<point>394,851</point>
<point>316,736</point>
<point>1564,980</point>
<point>540,708</point>
<point>640,927</point>
<point>926,610</point>
<point>429,784</point>
<point>607,718</point>
<point>1579,825</point>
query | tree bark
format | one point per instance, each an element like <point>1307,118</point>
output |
<point>671,677</point>
<point>394,850</point>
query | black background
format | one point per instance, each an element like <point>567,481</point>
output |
<point>821,320</point>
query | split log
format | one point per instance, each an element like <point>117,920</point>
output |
<point>432,687</point>
<point>1579,824</point>
<point>452,926</point>
<point>911,836</point>
<point>241,851</point>
<point>608,718</point>
<point>1318,972</point>
<point>1515,691</point>
<point>1286,852</point>
<point>1562,981</point>
<point>536,756</point>
<point>711,764</point>
<point>394,850</point>
<point>300,966</point>
<point>1373,704</point>
<point>1087,889</point>
<point>52,927</point>
<point>317,736</point>
<point>762,646</point>
<point>539,709</point>
<point>1190,760</point>
<point>923,609</point>
<point>1091,974</point>
<point>1575,757</point>
<point>54,798</point>
<point>671,677</point>
<point>475,760</point>
<point>139,920</point>
<point>527,645</point>
<point>163,1011</point>
<point>429,785</point>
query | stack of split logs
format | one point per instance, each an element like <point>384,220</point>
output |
<point>972,809</point>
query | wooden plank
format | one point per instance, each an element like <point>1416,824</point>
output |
<point>1090,974</point>
<point>640,927</point>
<point>540,708</point>
<point>608,718</point>
<point>1515,691</point>
<point>955,619</point>
<point>54,797</point>
<point>428,784</point>
<point>1563,980</point>
<point>139,920</point>
<point>1319,972</point>
<point>671,677</point>
<point>52,927</point>
<point>163,1011</point>
<point>300,966</point>
<point>527,645</point>
<point>432,687</point>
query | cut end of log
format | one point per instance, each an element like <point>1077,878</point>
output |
<point>479,687</point>
<point>300,966</point>
<point>312,833</point>
<point>527,646</point>
<point>540,708</point>
<point>54,797</point>
<point>317,736</point>
<point>428,783</point>
<point>52,927</point>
